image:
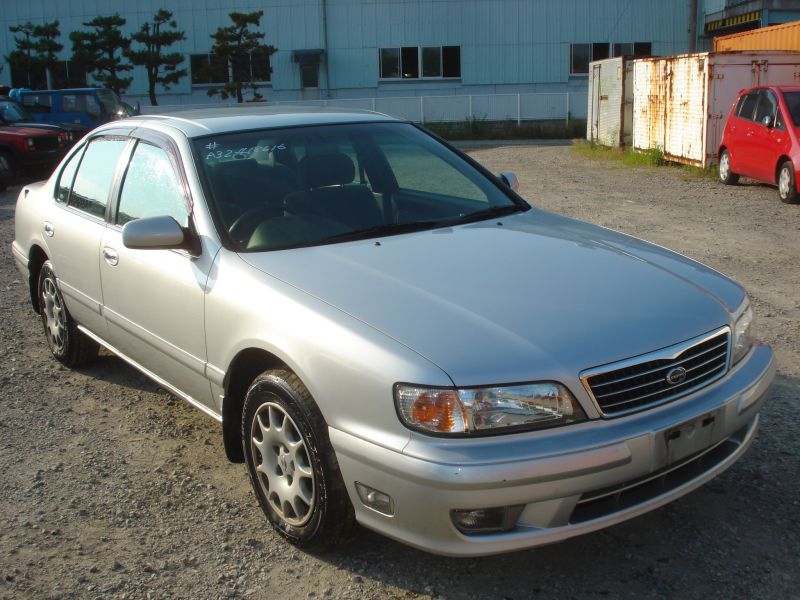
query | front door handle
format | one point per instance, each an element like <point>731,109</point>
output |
<point>111,256</point>
<point>49,230</point>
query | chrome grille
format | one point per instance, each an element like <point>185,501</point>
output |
<point>642,382</point>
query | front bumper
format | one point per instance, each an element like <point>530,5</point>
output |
<point>40,158</point>
<point>571,480</point>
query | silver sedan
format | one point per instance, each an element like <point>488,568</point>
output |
<point>387,332</point>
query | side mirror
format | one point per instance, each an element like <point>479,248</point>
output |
<point>510,180</point>
<point>157,233</point>
<point>767,122</point>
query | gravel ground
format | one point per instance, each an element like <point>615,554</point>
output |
<point>115,489</point>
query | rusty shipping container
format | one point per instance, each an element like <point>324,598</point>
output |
<point>610,110</point>
<point>777,37</point>
<point>680,103</point>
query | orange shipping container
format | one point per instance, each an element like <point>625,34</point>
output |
<point>776,37</point>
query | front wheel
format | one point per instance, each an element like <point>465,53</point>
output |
<point>292,465</point>
<point>726,176</point>
<point>66,342</point>
<point>787,186</point>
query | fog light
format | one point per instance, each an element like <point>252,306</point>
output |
<point>375,499</point>
<point>486,520</point>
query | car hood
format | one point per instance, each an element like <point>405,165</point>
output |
<point>540,296</point>
<point>24,131</point>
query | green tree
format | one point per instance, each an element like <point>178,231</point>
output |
<point>154,36</point>
<point>236,46</point>
<point>99,51</point>
<point>36,50</point>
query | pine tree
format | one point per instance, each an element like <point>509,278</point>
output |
<point>154,36</point>
<point>36,50</point>
<point>233,46</point>
<point>97,52</point>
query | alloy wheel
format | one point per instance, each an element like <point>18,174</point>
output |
<point>283,464</point>
<point>724,166</point>
<point>54,317</point>
<point>784,182</point>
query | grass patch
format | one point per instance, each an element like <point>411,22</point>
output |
<point>481,129</point>
<point>646,158</point>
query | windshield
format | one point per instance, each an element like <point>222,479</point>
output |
<point>11,112</point>
<point>793,104</point>
<point>110,102</point>
<point>284,188</point>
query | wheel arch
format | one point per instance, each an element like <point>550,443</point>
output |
<point>248,364</point>
<point>36,258</point>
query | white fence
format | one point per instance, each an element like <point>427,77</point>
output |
<point>453,108</point>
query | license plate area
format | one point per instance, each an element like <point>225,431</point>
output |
<point>690,437</point>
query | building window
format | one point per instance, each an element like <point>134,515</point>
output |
<point>63,74</point>
<point>582,54</point>
<point>428,62</point>
<point>632,49</point>
<point>209,68</point>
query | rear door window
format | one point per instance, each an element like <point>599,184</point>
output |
<point>767,105</point>
<point>747,106</point>
<point>96,175</point>
<point>83,103</point>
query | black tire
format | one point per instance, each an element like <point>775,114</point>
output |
<point>70,346</point>
<point>329,521</point>
<point>8,170</point>
<point>726,175</point>
<point>787,188</point>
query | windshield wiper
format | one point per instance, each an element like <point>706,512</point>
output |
<point>492,211</point>
<point>379,230</point>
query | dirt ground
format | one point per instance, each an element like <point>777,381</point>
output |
<point>114,489</point>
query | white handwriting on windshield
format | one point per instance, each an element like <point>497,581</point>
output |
<point>231,154</point>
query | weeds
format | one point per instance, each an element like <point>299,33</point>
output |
<point>649,158</point>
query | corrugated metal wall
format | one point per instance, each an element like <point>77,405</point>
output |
<point>606,102</point>
<point>507,46</point>
<point>777,37</point>
<point>669,106</point>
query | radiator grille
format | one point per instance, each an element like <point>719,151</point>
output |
<point>642,384</point>
<point>46,143</point>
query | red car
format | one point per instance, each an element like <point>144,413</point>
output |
<point>762,139</point>
<point>28,151</point>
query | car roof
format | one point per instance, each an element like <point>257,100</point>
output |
<point>780,88</point>
<point>226,119</point>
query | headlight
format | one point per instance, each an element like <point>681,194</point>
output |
<point>484,410</point>
<point>742,336</point>
<point>29,144</point>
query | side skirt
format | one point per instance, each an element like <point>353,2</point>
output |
<point>151,375</point>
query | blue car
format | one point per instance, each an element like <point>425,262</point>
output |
<point>88,107</point>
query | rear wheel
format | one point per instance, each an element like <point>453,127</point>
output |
<point>8,170</point>
<point>69,345</point>
<point>726,176</point>
<point>292,465</point>
<point>787,186</point>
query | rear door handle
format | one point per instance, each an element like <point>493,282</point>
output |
<point>49,229</point>
<point>111,256</point>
